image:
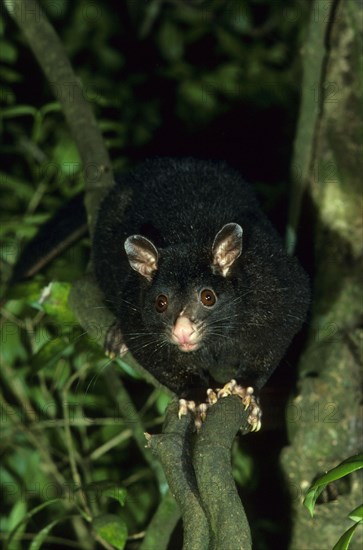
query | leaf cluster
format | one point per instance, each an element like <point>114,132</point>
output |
<point>348,466</point>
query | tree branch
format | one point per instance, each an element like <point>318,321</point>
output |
<point>162,525</point>
<point>198,470</point>
<point>212,464</point>
<point>325,417</point>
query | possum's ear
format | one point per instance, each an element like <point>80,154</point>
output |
<point>227,247</point>
<point>142,255</point>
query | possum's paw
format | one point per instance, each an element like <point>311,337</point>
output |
<point>247,398</point>
<point>199,411</point>
<point>231,388</point>
<point>114,342</point>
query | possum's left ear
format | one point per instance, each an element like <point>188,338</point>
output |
<point>227,247</point>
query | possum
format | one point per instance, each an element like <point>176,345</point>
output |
<point>203,291</point>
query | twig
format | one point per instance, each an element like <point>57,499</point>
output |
<point>129,413</point>
<point>162,525</point>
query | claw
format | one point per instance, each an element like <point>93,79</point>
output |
<point>185,406</point>
<point>228,389</point>
<point>123,350</point>
<point>199,411</point>
<point>246,401</point>
<point>247,398</point>
<point>254,418</point>
<point>212,396</point>
<point>114,342</point>
<point>203,407</point>
<point>231,388</point>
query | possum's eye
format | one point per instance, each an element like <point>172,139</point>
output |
<point>161,303</point>
<point>208,298</point>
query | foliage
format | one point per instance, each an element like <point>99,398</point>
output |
<point>70,464</point>
<point>345,468</point>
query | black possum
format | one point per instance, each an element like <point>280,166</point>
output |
<point>197,277</point>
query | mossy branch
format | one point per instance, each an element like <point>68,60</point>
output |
<point>198,470</point>
<point>212,465</point>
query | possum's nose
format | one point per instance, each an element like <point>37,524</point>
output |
<point>185,334</point>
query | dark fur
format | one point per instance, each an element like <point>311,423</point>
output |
<point>180,205</point>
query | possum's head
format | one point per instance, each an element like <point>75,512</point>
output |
<point>187,292</point>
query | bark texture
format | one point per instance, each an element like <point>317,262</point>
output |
<point>325,418</point>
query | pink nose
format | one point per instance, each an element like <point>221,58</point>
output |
<point>184,331</point>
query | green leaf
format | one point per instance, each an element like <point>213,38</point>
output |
<point>49,354</point>
<point>224,80</point>
<point>171,41</point>
<point>107,488</point>
<point>128,368</point>
<point>26,518</point>
<point>9,75</point>
<point>12,347</point>
<point>53,107</point>
<point>8,53</point>
<point>346,467</point>
<point>199,96</point>
<point>230,44</point>
<point>162,402</point>
<point>54,302</point>
<point>196,19</point>
<point>66,156</point>
<point>242,466</point>
<point>112,529</point>
<point>19,110</point>
<point>42,535</point>
<point>17,513</point>
<point>357,513</point>
<point>117,493</point>
<point>344,541</point>
<point>27,292</point>
<point>311,497</point>
<point>57,9</point>
<point>238,17</point>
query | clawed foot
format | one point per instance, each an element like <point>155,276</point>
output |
<point>114,342</point>
<point>231,388</point>
<point>247,398</point>
<point>199,411</point>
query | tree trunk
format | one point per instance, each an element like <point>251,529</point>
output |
<point>324,420</point>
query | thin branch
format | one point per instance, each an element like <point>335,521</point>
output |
<point>162,525</point>
<point>130,415</point>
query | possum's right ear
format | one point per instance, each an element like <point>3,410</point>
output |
<point>142,255</point>
<point>227,247</point>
